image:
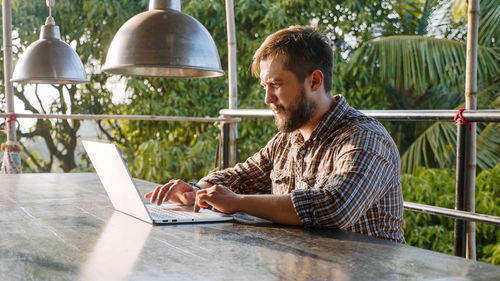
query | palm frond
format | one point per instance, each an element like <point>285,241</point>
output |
<point>433,148</point>
<point>419,62</point>
<point>488,146</point>
<point>489,23</point>
<point>436,146</point>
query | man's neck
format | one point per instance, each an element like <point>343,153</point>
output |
<point>322,107</point>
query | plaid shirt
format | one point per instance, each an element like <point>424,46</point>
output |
<point>347,175</point>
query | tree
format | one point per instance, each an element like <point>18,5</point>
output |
<point>425,72</point>
<point>436,187</point>
<point>89,29</point>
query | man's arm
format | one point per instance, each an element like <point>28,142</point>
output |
<point>276,208</point>
<point>252,176</point>
<point>367,169</point>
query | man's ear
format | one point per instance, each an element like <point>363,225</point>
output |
<point>316,79</point>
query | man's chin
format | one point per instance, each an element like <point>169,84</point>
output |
<point>282,125</point>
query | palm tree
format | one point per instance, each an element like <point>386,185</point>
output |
<point>422,72</point>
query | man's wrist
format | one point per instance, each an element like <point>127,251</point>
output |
<point>240,202</point>
<point>195,184</point>
<point>200,185</point>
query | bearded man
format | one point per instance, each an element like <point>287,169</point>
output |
<point>329,166</point>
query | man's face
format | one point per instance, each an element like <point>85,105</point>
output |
<point>286,96</point>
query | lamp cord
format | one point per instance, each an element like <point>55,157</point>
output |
<point>50,4</point>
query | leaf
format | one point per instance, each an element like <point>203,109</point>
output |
<point>436,146</point>
<point>419,62</point>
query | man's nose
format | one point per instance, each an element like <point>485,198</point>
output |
<point>270,96</point>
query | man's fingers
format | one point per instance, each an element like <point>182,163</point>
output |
<point>216,210</point>
<point>188,197</point>
<point>176,187</point>
<point>154,193</point>
<point>159,193</point>
<point>200,202</point>
<point>177,191</point>
<point>164,193</point>
<point>157,190</point>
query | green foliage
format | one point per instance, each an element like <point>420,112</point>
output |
<point>436,145</point>
<point>253,135</point>
<point>412,70</point>
<point>179,140</point>
<point>489,28</point>
<point>418,62</point>
<point>431,187</point>
<point>162,160</point>
<point>437,187</point>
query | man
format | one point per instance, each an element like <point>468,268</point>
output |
<point>329,166</point>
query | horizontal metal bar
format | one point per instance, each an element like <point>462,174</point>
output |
<point>389,115</point>
<point>124,117</point>
<point>233,116</point>
<point>265,113</point>
<point>433,115</point>
<point>456,214</point>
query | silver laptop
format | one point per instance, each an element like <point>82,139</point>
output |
<point>121,190</point>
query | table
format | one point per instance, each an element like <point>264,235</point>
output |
<point>63,227</point>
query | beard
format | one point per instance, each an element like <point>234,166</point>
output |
<point>296,115</point>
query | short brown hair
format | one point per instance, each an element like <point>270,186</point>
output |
<point>304,49</point>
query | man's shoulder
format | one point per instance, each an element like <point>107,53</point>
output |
<point>283,137</point>
<point>278,142</point>
<point>359,130</point>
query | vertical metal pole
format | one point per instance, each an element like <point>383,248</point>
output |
<point>7,54</point>
<point>233,87</point>
<point>471,103</point>
<point>460,190</point>
<point>225,145</point>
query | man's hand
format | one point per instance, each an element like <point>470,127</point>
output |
<point>175,191</point>
<point>219,197</point>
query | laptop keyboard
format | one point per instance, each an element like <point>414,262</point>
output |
<point>160,212</point>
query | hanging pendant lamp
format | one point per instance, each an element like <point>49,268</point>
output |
<point>49,60</point>
<point>163,42</point>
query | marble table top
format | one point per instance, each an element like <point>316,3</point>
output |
<point>63,227</point>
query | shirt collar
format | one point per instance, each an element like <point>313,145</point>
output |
<point>331,119</point>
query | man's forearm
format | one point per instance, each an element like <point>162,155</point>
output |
<point>276,208</point>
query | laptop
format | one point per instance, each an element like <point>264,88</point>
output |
<point>125,197</point>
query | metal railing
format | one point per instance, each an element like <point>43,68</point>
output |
<point>124,117</point>
<point>450,213</point>
<point>229,116</point>
<point>389,115</point>
<point>398,115</point>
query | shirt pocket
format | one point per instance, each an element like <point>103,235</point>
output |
<point>314,181</point>
<point>283,181</point>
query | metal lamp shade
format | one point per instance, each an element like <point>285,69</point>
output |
<point>163,43</point>
<point>49,61</point>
